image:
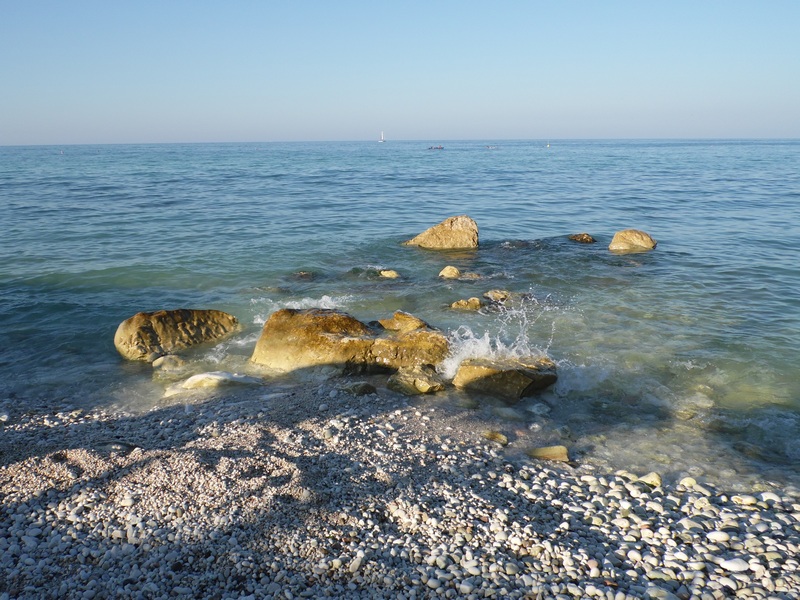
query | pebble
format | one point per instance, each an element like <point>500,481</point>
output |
<point>735,565</point>
<point>358,502</point>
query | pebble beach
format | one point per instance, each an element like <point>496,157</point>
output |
<point>305,490</point>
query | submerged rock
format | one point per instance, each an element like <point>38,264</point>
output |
<point>558,453</point>
<point>295,339</point>
<point>495,436</point>
<point>631,240</point>
<point>509,379</point>
<point>212,379</point>
<point>452,233</point>
<point>150,335</point>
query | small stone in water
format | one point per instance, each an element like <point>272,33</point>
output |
<point>550,453</point>
<point>496,436</point>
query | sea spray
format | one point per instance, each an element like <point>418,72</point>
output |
<point>267,306</point>
<point>510,338</point>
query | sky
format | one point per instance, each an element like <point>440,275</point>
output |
<point>152,71</point>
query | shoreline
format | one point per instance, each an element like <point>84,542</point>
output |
<point>302,490</point>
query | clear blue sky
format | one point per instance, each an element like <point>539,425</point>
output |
<point>179,71</point>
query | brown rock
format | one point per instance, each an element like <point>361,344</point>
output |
<point>550,453</point>
<point>402,321</point>
<point>450,272</point>
<point>295,339</point>
<point>509,379</point>
<point>469,304</point>
<point>453,233</point>
<point>150,335</point>
<point>631,240</point>
<point>497,296</point>
<point>413,381</point>
<point>583,238</point>
<point>406,349</point>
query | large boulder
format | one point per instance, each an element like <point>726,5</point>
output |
<point>509,379</point>
<point>296,339</point>
<point>631,240</point>
<point>451,234</point>
<point>150,335</point>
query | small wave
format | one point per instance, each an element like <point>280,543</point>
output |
<point>325,301</point>
<point>465,344</point>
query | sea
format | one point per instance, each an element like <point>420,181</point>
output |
<point>684,360</point>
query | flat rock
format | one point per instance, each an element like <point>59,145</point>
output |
<point>149,335</point>
<point>295,339</point>
<point>212,379</point>
<point>451,234</point>
<point>558,453</point>
<point>509,379</point>
<point>413,381</point>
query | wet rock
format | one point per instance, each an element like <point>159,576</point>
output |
<point>452,233</point>
<point>558,453</point>
<point>582,238</point>
<point>508,379</point>
<point>495,436</point>
<point>212,379</point>
<point>295,339</point>
<point>360,388</point>
<point>413,381</point>
<point>403,322</point>
<point>631,240</point>
<point>497,296</point>
<point>170,362</point>
<point>450,272</point>
<point>468,304</point>
<point>389,274</point>
<point>150,335</point>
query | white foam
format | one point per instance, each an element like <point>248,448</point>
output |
<point>270,305</point>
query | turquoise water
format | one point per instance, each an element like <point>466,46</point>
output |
<point>689,349</point>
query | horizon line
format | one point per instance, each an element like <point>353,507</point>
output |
<point>412,140</point>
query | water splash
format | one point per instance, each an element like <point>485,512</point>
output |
<point>510,336</point>
<point>269,306</point>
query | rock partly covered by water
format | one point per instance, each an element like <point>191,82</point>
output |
<point>582,238</point>
<point>213,379</point>
<point>451,234</point>
<point>416,380</point>
<point>467,304</point>
<point>509,379</point>
<point>295,339</point>
<point>150,335</point>
<point>631,240</point>
<point>450,272</point>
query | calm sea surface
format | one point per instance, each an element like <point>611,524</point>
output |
<point>684,359</point>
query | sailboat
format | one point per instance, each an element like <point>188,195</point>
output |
<point>382,139</point>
